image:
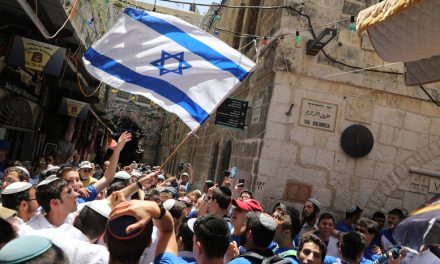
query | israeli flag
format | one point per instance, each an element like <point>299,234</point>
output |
<point>178,66</point>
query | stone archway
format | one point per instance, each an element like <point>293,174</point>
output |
<point>17,118</point>
<point>16,113</point>
<point>382,195</point>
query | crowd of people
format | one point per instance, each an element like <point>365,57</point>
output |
<point>80,212</point>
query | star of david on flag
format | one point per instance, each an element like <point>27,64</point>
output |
<point>178,66</point>
<point>160,63</point>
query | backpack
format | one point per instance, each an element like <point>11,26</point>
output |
<point>275,259</point>
<point>288,253</point>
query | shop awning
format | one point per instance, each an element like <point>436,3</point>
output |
<point>406,31</point>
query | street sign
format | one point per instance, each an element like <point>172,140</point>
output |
<point>232,113</point>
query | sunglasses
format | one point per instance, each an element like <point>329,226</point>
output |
<point>87,170</point>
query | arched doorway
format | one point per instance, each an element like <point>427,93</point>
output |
<point>224,165</point>
<point>16,120</point>
<point>213,168</point>
<point>128,154</point>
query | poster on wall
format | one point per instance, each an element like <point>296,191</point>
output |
<point>36,55</point>
<point>317,114</point>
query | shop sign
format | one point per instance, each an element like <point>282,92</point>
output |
<point>74,108</point>
<point>316,114</point>
<point>36,55</point>
<point>232,113</point>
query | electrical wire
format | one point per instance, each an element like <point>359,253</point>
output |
<point>70,16</point>
<point>429,95</point>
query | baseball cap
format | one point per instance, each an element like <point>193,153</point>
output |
<point>353,209</point>
<point>185,174</point>
<point>85,165</point>
<point>4,145</point>
<point>24,248</point>
<point>212,223</point>
<point>248,205</point>
<point>16,187</point>
<point>122,175</point>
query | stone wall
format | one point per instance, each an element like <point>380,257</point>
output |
<point>403,123</point>
<point>283,160</point>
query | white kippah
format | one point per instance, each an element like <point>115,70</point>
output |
<point>48,180</point>
<point>168,204</point>
<point>101,207</point>
<point>16,187</point>
<point>23,169</point>
<point>122,175</point>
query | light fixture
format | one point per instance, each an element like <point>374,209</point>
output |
<point>316,45</point>
<point>297,39</point>
<point>352,25</point>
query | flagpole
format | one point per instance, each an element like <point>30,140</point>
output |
<point>177,149</point>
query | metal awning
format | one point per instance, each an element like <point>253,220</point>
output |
<point>406,31</point>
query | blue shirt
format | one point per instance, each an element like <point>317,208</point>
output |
<point>333,260</point>
<point>166,258</point>
<point>243,260</point>
<point>343,227</point>
<point>369,254</point>
<point>92,195</point>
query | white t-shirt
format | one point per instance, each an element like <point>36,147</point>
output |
<point>77,250</point>
<point>332,247</point>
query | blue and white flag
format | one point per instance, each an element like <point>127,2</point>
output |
<point>178,66</point>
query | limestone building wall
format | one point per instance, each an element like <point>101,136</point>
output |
<point>282,159</point>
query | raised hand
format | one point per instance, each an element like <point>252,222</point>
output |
<point>123,139</point>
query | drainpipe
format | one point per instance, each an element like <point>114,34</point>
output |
<point>30,12</point>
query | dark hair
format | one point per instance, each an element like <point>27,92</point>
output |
<point>187,237</point>
<point>177,210</point>
<point>371,226</point>
<point>295,222</point>
<point>63,170</point>
<point>215,244</point>
<point>7,232</point>
<point>310,238</point>
<point>13,200</point>
<point>261,236</point>
<point>247,191</point>
<point>53,255</point>
<point>222,195</point>
<point>378,214</point>
<point>326,216</point>
<point>90,222</point>
<point>398,212</point>
<point>116,186</point>
<point>129,250</point>
<point>209,183</point>
<point>47,192</point>
<point>352,245</point>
